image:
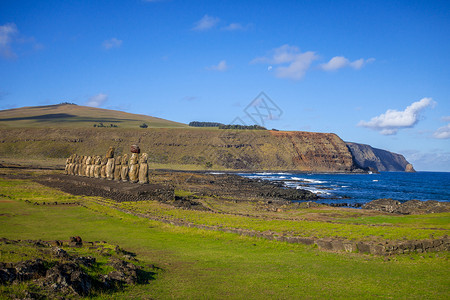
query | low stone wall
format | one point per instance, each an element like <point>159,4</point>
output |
<point>388,247</point>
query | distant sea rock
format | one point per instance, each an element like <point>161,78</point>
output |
<point>368,157</point>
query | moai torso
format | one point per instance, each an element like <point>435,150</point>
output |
<point>110,163</point>
<point>79,165</point>
<point>124,168</point>
<point>143,169</point>
<point>92,167</point>
<point>117,167</point>
<point>83,166</point>
<point>103,168</point>
<point>97,167</point>
<point>88,166</point>
<point>133,173</point>
<point>66,169</point>
<point>72,165</point>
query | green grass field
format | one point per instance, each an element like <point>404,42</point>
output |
<point>199,264</point>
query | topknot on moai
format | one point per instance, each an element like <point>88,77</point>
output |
<point>135,149</point>
<point>110,163</point>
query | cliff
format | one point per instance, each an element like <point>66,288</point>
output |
<point>187,148</point>
<point>368,157</point>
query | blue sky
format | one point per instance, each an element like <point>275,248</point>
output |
<point>373,72</point>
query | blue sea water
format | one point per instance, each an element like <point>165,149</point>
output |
<point>362,188</point>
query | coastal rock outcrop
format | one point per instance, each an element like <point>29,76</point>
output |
<point>408,207</point>
<point>368,157</point>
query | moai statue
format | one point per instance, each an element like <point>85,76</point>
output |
<point>110,163</point>
<point>143,169</point>
<point>97,167</point>
<point>72,164</point>
<point>117,167</point>
<point>124,168</point>
<point>92,167</point>
<point>80,165</point>
<point>83,166</point>
<point>75,165</point>
<point>133,174</point>
<point>66,169</point>
<point>103,169</point>
<point>88,165</point>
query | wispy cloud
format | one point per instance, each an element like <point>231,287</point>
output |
<point>442,132</point>
<point>112,43</point>
<point>392,120</point>
<point>205,23</point>
<point>235,27</point>
<point>221,66</point>
<point>291,63</point>
<point>339,62</point>
<point>97,100</point>
<point>445,119</point>
<point>7,33</point>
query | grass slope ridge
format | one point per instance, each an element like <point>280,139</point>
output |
<point>186,148</point>
<point>76,116</point>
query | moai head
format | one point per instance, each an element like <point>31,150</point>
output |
<point>125,159</point>
<point>118,160</point>
<point>134,159</point>
<point>143,158</point>
<point>88,160</point>
<point>110,153</point>
<point>104,160</point>
<point>98,160</point>
<point>72,158</point>
<point>84,159</point>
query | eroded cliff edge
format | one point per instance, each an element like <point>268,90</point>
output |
<point>192,148</point>
<point>368,157</point>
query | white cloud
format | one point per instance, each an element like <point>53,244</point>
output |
<point>339,62</point>
<point>392,120</point>
<point>292,63</point>
<point>97,100</point>
<point>235,27</point>
<point>443,132</point>
<point>206,23</point>
<point>221,66</point>
<point>7,32</point>
<point>112,43</point>
<point>445,119</point>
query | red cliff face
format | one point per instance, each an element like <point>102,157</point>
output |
<point>316,151</point>
<point>189,148</point>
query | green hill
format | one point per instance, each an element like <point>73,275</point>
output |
<point>77,116</point>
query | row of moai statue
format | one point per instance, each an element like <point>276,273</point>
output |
<point>124,168</point>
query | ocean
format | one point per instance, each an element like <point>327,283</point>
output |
<point>362,188</point>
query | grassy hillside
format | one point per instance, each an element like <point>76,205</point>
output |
<point>198,264</point>
<point>185,148</point>
<point>76,116</point>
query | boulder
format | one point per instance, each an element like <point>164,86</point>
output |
<point>387,205</point>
